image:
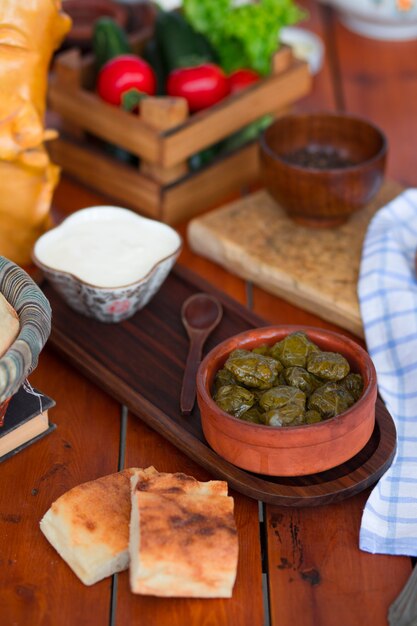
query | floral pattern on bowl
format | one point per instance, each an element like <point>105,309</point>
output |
<point>106,304</point>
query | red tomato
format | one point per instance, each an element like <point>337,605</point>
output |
<point>240,79</point>
<point>123,74</point>
<point>202,86</point>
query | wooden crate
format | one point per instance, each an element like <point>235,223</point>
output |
<point>163,136</point>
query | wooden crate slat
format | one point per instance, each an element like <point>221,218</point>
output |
<point>89,113</point>
<point>124,183</point>
<point>210,126</point>
<point>183,200</point>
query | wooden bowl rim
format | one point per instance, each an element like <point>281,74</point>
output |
<point>268,151</point>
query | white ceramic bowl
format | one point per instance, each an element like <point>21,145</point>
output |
<point>134,265</point>
<point>394,20</point>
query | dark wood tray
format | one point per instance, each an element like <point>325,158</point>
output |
<point>140,363</point>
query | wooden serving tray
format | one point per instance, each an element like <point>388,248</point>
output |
<point>140,363</point>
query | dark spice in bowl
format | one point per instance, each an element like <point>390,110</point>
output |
<point>318,157</point>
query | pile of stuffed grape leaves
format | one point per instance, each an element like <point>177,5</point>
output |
<point>291,383</point>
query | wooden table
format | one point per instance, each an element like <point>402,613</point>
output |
<point>296,566</point>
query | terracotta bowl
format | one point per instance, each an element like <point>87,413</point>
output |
<point>323,196</point>
<point>291,450</point>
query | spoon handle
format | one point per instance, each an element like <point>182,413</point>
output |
<point>188,389</point>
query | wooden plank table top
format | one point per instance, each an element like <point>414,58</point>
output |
<point>306,561</point>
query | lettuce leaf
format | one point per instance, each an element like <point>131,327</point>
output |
<point>244,35</point>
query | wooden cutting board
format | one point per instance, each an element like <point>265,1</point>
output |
<point>316,269</point>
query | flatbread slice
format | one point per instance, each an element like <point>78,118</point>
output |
<point>9,325</point>
<point>183,538</point>
<point>150,479</point>
<point>89,526</point>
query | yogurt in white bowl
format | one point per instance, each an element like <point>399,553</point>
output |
<point>107,262</point>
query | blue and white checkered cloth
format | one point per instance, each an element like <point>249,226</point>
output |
<point>387,292</point>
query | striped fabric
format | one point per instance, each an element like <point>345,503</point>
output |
<point>388,300</point>
<point>35,324</point>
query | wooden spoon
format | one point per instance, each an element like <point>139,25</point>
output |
<point>200,315</point>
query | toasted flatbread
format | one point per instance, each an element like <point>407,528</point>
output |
<point>89,526</point>
<point>150,479</point>
<point>183,539</point>
<point>9,325</point>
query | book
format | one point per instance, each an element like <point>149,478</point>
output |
<point>26,420</point>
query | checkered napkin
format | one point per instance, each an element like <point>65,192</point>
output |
<point>388,301</point>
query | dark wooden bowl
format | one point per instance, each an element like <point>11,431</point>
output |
<point>291,450</point>
<point>323,197</point>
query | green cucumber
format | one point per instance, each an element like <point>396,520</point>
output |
<point>246,134</point>
<point>120,154</point>
<point>180,44</point>
<point>109,41</point>
<point>152,54</point>
<point>205,157</point>
<point>230,144</point>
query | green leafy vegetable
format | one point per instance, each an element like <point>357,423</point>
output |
<point>245,35</point>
